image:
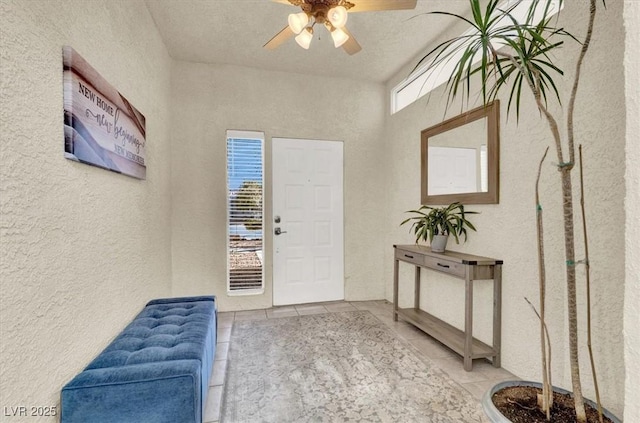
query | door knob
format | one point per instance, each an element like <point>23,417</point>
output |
<point>279,231</point>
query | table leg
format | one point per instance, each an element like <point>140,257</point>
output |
<point>468,322</point>
<point>396,265</point>
<point>416,298</point>
<point>497,313</point>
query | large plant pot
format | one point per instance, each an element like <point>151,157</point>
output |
<point>495,416</point>
<point>439,243</point>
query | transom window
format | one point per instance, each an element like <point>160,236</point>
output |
<point>426,78</point>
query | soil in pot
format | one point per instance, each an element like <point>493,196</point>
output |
<point>519,404</point>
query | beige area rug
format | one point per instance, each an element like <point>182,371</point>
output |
<point>336,367</point>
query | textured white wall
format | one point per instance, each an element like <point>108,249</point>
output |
<point>632,204</point>
<point>507,230</point>
<point>82,249</point>
<point>210,99</point>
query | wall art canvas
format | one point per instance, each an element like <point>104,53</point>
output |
<point>101,127</point>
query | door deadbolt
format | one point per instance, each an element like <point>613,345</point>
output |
<point>276,219</point>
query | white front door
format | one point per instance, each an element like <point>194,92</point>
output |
<point>452,171</point>
<point>308,251</point>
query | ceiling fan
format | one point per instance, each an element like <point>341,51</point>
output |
<point>333,15</point>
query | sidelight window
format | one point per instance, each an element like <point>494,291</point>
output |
<point>245,212</point>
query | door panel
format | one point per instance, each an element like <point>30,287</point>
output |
<point>460,178</point>
<point>308,262</point>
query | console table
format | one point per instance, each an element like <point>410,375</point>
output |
<point>459,265</point>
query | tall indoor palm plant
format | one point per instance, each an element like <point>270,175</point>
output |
<point>503,53</point>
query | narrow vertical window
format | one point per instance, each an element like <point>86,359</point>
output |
<point>245,216</point>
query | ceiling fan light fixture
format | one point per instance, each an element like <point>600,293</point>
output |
<point>304,38</point>
<point>338,16</point>
<point>298,21</point>
<point>339,37</point>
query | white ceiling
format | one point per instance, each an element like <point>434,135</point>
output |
<point>234,31</point>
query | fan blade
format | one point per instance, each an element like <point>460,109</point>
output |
<point>373,5</point>
<point>351,46</point>
<point>284,2</point>
<point>279,38</point>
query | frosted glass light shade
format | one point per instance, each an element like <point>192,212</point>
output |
<point>297,21</point>
<point>305,37</point>
<point>338,16</point>
<point>339,37</point>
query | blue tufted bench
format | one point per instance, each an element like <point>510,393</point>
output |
<point>157,370</point>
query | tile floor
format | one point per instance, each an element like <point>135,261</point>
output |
<point>483,376</point>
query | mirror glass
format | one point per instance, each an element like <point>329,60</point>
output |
<point>460,158</point>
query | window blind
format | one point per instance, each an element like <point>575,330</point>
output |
<point>245,157</point>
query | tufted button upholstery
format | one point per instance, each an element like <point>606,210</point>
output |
<point>161,332</point>
<point>156,370</point>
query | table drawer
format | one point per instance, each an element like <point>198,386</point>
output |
<point>445,266</point>
<point>410,257</point>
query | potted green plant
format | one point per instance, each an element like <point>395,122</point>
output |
<point>437,223</point>
<point>504,53</point>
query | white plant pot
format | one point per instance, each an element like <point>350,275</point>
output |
<point>439,243</point>
<point>495,416</point>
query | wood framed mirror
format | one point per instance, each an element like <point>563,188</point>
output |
<point>460,158</point>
